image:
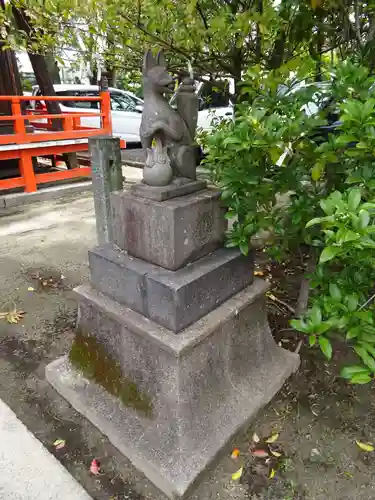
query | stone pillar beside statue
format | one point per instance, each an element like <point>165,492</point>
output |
<point>173,353</point>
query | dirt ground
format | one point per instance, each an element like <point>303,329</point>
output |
<point>43,256</point>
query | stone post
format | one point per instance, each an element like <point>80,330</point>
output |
<point>106,177</point>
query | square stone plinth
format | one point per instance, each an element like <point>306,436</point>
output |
<point>170,233</point>
<point>204,385</point>
<point>163,193</point>
<point>173,299</point>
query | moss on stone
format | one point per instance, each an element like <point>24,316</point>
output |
<point>90,357</point>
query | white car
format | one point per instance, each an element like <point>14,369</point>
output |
<point>126,108</point>
<point>215,103</point>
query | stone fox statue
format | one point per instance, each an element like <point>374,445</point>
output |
<point>173,130</point>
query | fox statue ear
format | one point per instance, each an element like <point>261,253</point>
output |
<point>148,61</point>
<point>160,59</point>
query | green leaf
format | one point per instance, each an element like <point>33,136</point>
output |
<point>327,206</point>
<point>323,327</point>
<point>328,254</point>
<point>368,337</point>
<point>325,346</point>
<point>336,197</point>
<point>316,172</point>
<point>364,219</point>
<point>231,244</point>
<point>312,222</point>
<point>352,333</point>
<point>352,302</point>
<point>315,315</point>
<point>334,291</point>
<point>249,229</point>
<point>227,193</point>
<point>312,340</point>
<point>244,247</point>
<point>350,236</point>
<point>354,199</point>
<point>299,325</point>
<point>361,378</point>
<point>369,348</point>
<point>319,220</point>
<point>345,139</point>
<point>349,371</point>
<point>365,356</point>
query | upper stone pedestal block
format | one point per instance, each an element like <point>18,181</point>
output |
<point>171,233</point>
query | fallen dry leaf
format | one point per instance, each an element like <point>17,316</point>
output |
<point>235,453</point>
<point>95,467</point>
<point>259,273</point>
<point>255,438</point>
<point>31,289</point>
<point>273,438</point>
<point>13,316</point>
<point>365,446</point>
<point>260,453</point>
<point>237,474</point>
<point>276,454</point>
<point>59,444</point>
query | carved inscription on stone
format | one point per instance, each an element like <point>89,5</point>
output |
<point>203,230</point>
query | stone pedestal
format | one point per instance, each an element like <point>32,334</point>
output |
<point>173,353</point>
<point>170,233</point>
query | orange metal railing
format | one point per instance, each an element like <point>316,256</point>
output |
<point>38,144</point>
<point>72,128</point>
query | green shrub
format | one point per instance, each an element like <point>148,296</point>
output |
<point>275,149</point>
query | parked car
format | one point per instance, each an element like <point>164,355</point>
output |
<point>214,102</point>
<point>126,108</point>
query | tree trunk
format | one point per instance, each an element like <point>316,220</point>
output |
<point>94,74</point>
<point>53,69</point>
<point>304,291</point>
<point>111,75</point>
<point>10,82</point>
<point>258,40</point>
<point>43,77</point>
<point>38,62</point>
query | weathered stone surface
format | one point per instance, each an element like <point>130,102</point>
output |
<point>168,192</point>
<point>119,276</point>
<point>171,233</point>
<point>205,384</point>
<point>177,299</point>
<point>173,299</point>
<point>106,177</point>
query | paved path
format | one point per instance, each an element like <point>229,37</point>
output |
<point>27,470</point>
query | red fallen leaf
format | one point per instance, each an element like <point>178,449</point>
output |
<point>59,444</point>
<point>260,453</point>
<point>235,453</point>
<point>95,467</point>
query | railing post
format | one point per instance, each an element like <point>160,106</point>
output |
<point>106,177</point>
<point>67,123</point>
<point>105,106</point>
<point>19,124</point>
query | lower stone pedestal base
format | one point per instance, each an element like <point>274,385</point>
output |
<point>202,385</point>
